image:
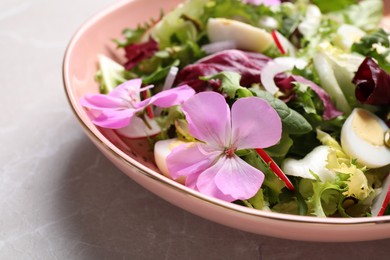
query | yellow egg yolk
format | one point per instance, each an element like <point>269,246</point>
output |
<point>368,128</point>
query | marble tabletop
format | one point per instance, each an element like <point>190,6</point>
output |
<point>60,198</point>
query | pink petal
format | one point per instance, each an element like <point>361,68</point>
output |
<point>129,87</point>
<point>101,102</point>
<point>191,180</point>
<point>190,159</point>
<point>168,98</point>
<point>206,182</point>
<point>255,124</point>
<point>208,118</point>
<point>114,119</point>
<point>238,179</point>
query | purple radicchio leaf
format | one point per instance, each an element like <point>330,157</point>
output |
<point>330,110</point>
<point>137,52</point>
<point>372,84</point>
<point>247,64</point>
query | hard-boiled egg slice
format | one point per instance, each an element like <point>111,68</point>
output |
<point>138,129</point>
<point>161,151</point>
<point>363,138</point>
<point>245,36</point>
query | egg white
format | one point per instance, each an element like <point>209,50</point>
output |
<point>366,153</point>
<point>161,151</point>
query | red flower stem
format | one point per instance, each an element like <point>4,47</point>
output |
<point>277,42</point>
<point>275,168</point>
<point>149,110</point>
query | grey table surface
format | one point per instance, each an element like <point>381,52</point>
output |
<point>60,198</point>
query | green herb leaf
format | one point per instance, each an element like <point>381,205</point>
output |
<point>257,201</point>
<point>159,74</point>
<point>377,46</point>
<point>292,121</point>
<point>333,5</point>
<point>230,84</point>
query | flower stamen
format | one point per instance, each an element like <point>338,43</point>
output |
<point>229,152</point>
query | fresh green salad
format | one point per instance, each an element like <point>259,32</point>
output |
<point>281,106</point>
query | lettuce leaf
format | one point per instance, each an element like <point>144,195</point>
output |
<point>110,74</point>
<point>180,25</point>
<point>287,207</point>
<point>333,5</point>
<point>292,121</point>
<point>330,71</point>
<point>366,15</point>
<point>230,84</point>
<point>341,163</point>
<point>326,198</point>
<point>375,45</point>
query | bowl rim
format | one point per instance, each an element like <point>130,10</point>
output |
<point>98,138</point>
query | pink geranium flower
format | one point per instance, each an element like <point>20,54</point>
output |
<point>116,109</point>
<point>265,2</point>
<point>211,165</point>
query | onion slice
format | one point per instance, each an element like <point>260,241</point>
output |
<point>137,128</point>
<point>215,47</point>
<point>276,66</point>
<point>170,78</point>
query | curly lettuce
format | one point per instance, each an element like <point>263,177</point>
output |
<point>329,196</point>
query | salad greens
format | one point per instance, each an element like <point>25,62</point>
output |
<point>346,58</point>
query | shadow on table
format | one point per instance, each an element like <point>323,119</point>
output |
<point>116,218</point>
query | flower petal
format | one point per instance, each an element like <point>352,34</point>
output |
<point>114,119</point>
<point>238,179</point>
<point>206,182</point>
<point>208,118</point>
<point>131,87</point>
<point>190,159</point>
<point>191,180</point>
<point>101,102</point>
<point>168,98</point>
<point>255,124</point>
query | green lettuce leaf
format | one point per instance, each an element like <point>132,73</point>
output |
<point>325,200</point>
<point>159,74</point>
<point>333,5</point>
<point>110,74</point>
<point>366,15</point>
<point>230,84</point>
<point>257,201</point>
<point>377,46</point>
<point>287,207</point>
<point>180,25</point>
<point>272,185</point>
<point>341,163</point>
<point>292,121</point>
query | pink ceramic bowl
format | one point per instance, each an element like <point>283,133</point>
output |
<point>134,159</point>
